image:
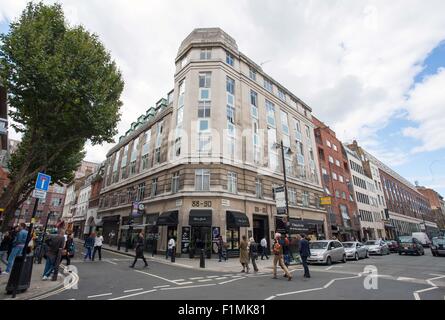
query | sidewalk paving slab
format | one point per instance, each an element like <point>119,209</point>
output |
<point>37,286</point>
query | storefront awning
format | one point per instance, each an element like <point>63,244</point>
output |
<point>200,218</point>
<point>169,218</point>
<point>237,219</point>
<point>297,226</point>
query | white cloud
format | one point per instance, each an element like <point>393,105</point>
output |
<point>426,106</point>
<point>351,61</point>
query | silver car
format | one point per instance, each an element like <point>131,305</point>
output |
<point>355,250</point>
<point>326,251</point>
<point>379,247</point>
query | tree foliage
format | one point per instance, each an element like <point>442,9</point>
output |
<point>63,90</point>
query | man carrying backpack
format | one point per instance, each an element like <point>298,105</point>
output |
<point>278,257</point>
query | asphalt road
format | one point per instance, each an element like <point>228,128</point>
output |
<point>390,277</point>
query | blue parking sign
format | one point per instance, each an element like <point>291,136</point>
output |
<point>42,182</point>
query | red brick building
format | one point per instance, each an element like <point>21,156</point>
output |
<point>437,205</point>
<point>336,180</point>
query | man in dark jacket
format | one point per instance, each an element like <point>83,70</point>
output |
<point>305,252</point>
<point>139,250</point>
<point>55,244</point>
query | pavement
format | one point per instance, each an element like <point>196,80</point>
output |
<point>391,277</point>
<point>37,286</point>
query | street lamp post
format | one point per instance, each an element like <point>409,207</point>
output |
<point>281,146</point>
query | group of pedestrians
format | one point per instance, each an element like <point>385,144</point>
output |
<point>249,253</point>
<point>93,243</point>
<point>12,245</point>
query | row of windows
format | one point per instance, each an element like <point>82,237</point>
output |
<point>356,167</point>
<point>362,198</point>
<point>331,145</point>
<point>366,215</point>
<point>405,228</point>
<point>359,182</point>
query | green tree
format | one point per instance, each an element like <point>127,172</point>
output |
<point>63,90</point>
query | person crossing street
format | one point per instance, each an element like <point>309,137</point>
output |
<point>278,257</point>
<point>139,250</point>
<point>98,241</point>
<point>305,252</point>
<point>264,248</point>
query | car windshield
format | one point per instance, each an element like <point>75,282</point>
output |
<point>318,245</point>
<point>370,243</point>
<point>406,239</point>
<point>348,244</point>
<point>438,241</point>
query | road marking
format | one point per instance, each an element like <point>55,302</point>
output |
<point>430,282</point>
<point>329,268</point>
<point>71,299</point>
<point>134,294</point>
<point>231,280</point>
<point>100,295</point>
<point>178,280</point>
<point>182,283</point>
<point>205,280</point>
<point>270,298</point>
<point>196,278</point>
<point>299,291</point>
<point>187,287</point>
<point>222,278</point>
<point>109,261</point>
<point>406,279</point>
<point>157,287</point>
<point>73,283</point>
<point>133,290</point>
<point>210,277</point>
<point>153,275</point>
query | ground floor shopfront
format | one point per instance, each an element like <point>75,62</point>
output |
<point>372,231</point>
<point>197,222</point>
<point>405,225</point>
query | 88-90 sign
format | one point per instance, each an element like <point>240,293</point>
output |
<point>205,204</point>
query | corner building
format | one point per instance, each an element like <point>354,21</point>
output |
<point>204,161</point>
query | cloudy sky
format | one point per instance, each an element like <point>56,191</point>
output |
<point>372,70</point>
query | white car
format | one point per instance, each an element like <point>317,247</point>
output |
<point>377,247</point>
<point>355,250</point>
<point>326,251</point>
<point>423,238</point>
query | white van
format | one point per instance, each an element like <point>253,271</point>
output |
<point>423,238</point>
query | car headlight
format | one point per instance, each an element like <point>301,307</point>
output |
<point>433,247</point>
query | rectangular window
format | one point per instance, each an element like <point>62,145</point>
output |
<point>256,142</point>
<point>268,85</point>
<point>141,191</point>
<point>305,199</point>
<point>230,114</point>
<point>154,187</point>
<point>202,179</point>
<point>175,182</point>
<point>270,109</point>
<point>204,109</point>
<point>334,176</point>
<point>281,95</point>
<point>206,54</point>
<point>337,163</point>
<point>340,178</point>
<point>300,153</point>
<point>145,162</point>
<point>258,188</point>
<point>273,155</point>
<point>253,98</point>
<point>335,147</point>
<point>158,155</point>
<point>230,85</point>
<point>292,196</point>
<point>331,160</point>
<point>328,143</point>
<point>229,59</point>
<point>308,132</point>
<point>297,130</point>
<point>181,93</point>
<point>284,123</point>
<point>231,182</point>
<point>205,143</point>
<point>204,85</point>
<point>252,74</point>
<point>203,125</point>
<point>133,167</point>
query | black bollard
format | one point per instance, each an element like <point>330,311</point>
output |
<point>202,263</point>
<point>173,254</point>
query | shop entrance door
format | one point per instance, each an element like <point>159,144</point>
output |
<point>260,228</point>
<point>202,239</point>
<point>232,239</point>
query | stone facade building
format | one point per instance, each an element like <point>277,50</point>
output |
<point>205,161</point>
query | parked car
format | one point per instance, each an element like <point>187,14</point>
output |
<point>422,237</point>
<point>438,246</point>
<point>377,247</point>
<point>410,245</point>
<point>326,251</point>
<point>355,250</point>
<point>393,246</point>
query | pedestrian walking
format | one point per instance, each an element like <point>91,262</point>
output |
<point>68,250</point>
<point>88,245</point>
<point>286,250</point>
<point>111,236</point>
<point>4,247</point>
<point>139,250</point>
<point>171,246</point>
<point>253,253</point>
<point>98,241</point>
<point>305,252</point>
<point>244,254</point>
<point>17,246</point>
<point>14,231</point>
<point>278,257</point>
<point>55,245</point>
<point>221,249</point>
<point>264,248</point>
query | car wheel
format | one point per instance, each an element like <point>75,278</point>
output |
<point>400,253</point>
<point>423,252</point>
<point>418,253</point>
<point>328,261</point>
<point>344,259</point>
<point>356,256</point>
